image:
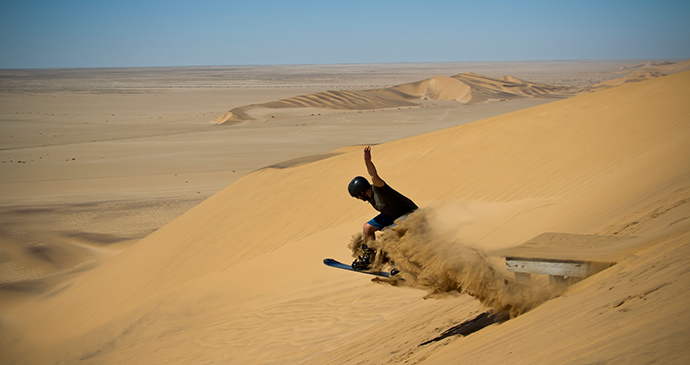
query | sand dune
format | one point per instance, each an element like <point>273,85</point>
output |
<point>635,76</point>
<point>93,160</point>
<point>665,68</point>
<point>467,88</point>
<point>645,71</point>
<point>239,279</point>
<point>645,65</point>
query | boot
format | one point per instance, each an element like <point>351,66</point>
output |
<point>364,261</point>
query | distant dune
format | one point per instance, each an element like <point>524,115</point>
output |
<point>645,71</point>
<point>466,88</point>
<point>635,76</point>
<point>645,65</point>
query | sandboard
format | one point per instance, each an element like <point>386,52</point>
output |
<point>339,265</point>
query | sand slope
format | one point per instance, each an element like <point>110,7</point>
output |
<point>239,279</point>
<point>467,88</point>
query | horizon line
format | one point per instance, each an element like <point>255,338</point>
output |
<point>671,59</point>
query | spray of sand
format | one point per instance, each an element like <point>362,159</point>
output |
<point>430,256</point>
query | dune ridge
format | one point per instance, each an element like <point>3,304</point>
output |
<point>466,88</point>
<point>666,67</point>
<point>644,71</point>
<point>645,64</point>
<point>635,76</point>
<point>239,278</point>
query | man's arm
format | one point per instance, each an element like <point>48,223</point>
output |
<point>371,169</point>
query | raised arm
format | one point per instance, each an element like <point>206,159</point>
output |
<point>371,169</point>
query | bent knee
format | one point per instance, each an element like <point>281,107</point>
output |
<point>368,229</point>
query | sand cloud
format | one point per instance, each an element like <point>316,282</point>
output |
<point>429,249</point>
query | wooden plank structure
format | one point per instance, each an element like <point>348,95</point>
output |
<point>559,271</point>
<point>565,258</point>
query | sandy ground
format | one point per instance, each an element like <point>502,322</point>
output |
<point>106,156</point>
<point>95,160</point>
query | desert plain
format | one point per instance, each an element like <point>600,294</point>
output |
<point>181,215</point>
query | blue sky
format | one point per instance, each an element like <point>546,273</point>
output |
<point>95,33</point>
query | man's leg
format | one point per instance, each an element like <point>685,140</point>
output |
<point>378,223</point>
<point>369,232</point>
<point>366,259</point>
<point>367,254</point>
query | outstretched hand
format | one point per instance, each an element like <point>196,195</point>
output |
<point>371,169</point>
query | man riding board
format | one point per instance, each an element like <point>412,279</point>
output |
<point>390,203</point>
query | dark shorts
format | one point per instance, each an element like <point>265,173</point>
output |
<point>382,221</point>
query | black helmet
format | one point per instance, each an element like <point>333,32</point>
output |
<point>358,186</point>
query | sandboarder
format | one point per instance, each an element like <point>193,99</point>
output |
<point>390,203</point>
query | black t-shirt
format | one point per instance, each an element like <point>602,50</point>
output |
<point>390,202</point>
